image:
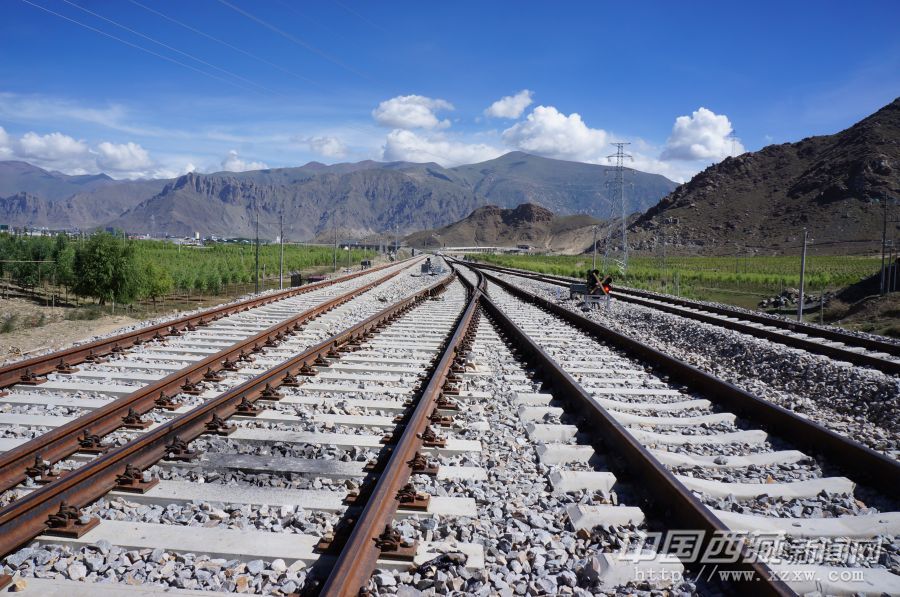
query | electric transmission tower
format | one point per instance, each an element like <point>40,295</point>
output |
<point>618,209</point>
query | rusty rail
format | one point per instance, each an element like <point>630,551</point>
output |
<point>41,365</point>
<point>683,510</point>
<point>814,344</point>
<point>26,518</point>
<point>64,441</point>
<point>359,556</point>
<point>860,462</point>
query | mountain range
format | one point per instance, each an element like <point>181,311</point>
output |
<point>835,186</point>
<point>357,198</point>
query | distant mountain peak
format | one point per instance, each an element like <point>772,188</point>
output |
<point>362,198</point>
<point>527,223</point>
<point>314,165</point>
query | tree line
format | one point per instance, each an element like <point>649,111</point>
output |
<point>101,266</point>
<point>113,269</point>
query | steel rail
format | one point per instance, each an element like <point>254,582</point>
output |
<point>814,345</point>
<point>26,518</point>
<point>858,461</point>
<point>43,364</point>
<point>63,441</point>
<point>358,558</point>
<point>682,509</point>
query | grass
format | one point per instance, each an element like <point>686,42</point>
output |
<point>8,324</point>
<point>211,267</point>
<point>13,322</point>
<point>89,313</point>
<point>741,281</point>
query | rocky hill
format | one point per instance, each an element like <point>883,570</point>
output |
<point>360,198</point>
<point>527,224</point>
<point>760,202</point>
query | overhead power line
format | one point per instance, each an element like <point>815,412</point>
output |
<point>292,38</point>
<point>223,42</point>
<point>174,49</point>
<point>134,45</point>
<point>360,16</point>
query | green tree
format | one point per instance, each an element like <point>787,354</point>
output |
<point>28,273</point>
<point>105,269</point>
<point>64,266</point>
<point>155,281</point>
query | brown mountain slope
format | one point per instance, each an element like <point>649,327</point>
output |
<point>760,202</point>
<point>527,224</point>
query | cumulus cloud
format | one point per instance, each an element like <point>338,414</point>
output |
<point>704,135</point>
<point>53,147</point>
<point>549,132</point>
<point>510,106</point>
<point>329,147</point>
<point>125,157</point>
<point>402,145</point>
<point>58,151</point>
<point>411,112</point>
<point>233,163</point>
<point>174,171</point>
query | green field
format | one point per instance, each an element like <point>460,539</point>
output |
<point>113,269</point>
<point>737,280</point>
<point>211,267</point>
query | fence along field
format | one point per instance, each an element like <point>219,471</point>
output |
<point>112,270</point>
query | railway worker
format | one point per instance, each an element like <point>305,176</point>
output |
<point>606,286</point>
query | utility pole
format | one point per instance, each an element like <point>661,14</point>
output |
<point>889,267</point>
<point>334,247</point>
<point>883,242</point>
<point>256,209</point>
<point>802,276</point>
<point>281,257</point>
<point>618,203</point>
<point>594,247</point>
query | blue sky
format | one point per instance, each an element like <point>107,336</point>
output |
<point>271,83</point>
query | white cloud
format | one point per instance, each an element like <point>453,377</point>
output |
<point>675,171</point>
<point>510,106</point>
<point>44,110</point>
<point>327,146</point>
<point>704,135</point>
<point>173,171</point>
<point>58,151</point>
<point>5,141</point>
<point>411,112</point>
<point>53,148</point>
<point>408,146</point>
<point>233,163</point>
<point>549,132</point>
<point>126,157</point>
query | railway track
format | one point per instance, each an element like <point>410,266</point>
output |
<point>422,445</point>
<point>105,394</point>
<point>372,369</point>
<point>860,350</point>
<point>13,373</point>
<point>710,456</point>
